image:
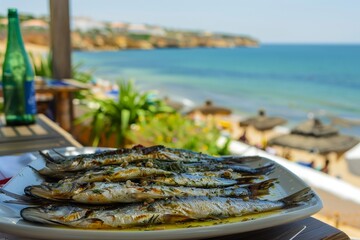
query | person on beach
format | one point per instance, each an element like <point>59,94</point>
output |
<point>243,138</point>
<point>264,143</point>
<point>287,154</point>
<point>325,169</point>
<point>312,163</point>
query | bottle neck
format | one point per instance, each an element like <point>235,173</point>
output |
<point>14,39</point>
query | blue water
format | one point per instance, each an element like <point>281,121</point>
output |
<point>286,80</point>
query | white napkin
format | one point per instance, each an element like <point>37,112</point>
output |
<point>11,165</point>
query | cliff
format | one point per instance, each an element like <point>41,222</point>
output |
<point>119,36</point>
<point>115,41</point>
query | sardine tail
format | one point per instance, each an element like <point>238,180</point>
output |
<point>234,159</point>
<point>47,157</point>
<point>61,155</point>
<point>266,169</point>
<point>35,170</point>
<point>299,197</point>
<point>19,197</point>
<point>261,188</point>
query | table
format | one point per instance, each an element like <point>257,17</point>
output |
<point>309,228</point>
<point>63,91</point>
<point>44,134</point>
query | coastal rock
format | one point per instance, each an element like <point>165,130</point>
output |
<point>99,42</point>
<point>90,42</point>
<point>219,43</point>
<point>118,36</point>
<point>38,38</point>
<point>80,42</point>
<point>163,42</point>
<point>249,43</point>
<point>121,42</point>
<point>192,42</point>
<point>139,44</point>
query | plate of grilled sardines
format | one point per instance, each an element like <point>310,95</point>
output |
<point>149,193</point>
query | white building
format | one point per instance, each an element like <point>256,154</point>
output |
<point>86,24</point>
<point>136,28</point>
<point>118,26</point>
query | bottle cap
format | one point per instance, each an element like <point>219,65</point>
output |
<point>12,12</point>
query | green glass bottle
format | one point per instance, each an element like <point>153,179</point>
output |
<point>18,77</point>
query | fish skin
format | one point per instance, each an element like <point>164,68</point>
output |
<point>162,211</point>
<point>107,193</point>
<point>176,167</point>
<point>239,168</point>
<point>119,156</point>
<point>194,180</point>
<point>171,166</point>
<point>125,194</point>
<point>115,174</point>
<point>114,193</point>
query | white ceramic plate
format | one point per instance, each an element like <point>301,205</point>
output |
<point>11,222</point>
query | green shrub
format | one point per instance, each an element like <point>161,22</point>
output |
<point>43,68</point>
<point>80,75</point>
<point>42,65</point>
<point>177,131</point>
<point>115,117</point>
<point>145,37</point>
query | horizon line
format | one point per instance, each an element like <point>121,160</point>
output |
<point>309,43</point>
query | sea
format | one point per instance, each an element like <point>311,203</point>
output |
<point>290,81</point>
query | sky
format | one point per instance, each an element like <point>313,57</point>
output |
<point>269,21</point>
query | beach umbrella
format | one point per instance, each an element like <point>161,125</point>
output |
<point>314,136</point>
<point>314,127</point>
<point>209,109</point>
<point>262,122</point>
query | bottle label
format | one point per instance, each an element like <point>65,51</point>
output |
<point>30,101</point>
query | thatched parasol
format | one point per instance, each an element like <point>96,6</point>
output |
<point>262,122</point>
<point>316,137</point>
<point>314,127</point>
<point>209,109</point>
